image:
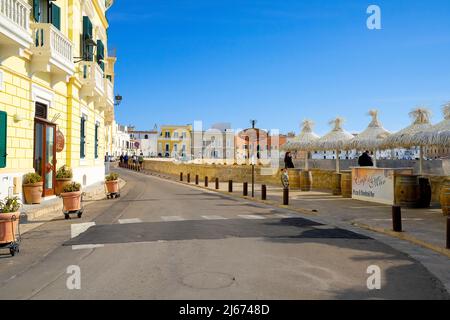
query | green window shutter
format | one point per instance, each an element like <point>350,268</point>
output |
<point>96,141</point>
<point>82,138</point>
<point>100,54</point>
<point>36,10</point>
<point>3,126</point>
<point>56,15</point>
<point>88,52</point>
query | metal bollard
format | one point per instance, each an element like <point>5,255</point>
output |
<point>263,192</point>
<point>188,178</point>
<point>245,189</point>
<point>196,179</point>
<point>181,176</point>
<point>230,186</point>
<point>448,232</point>
<point>217,183</point>
<point>397,218</point>
<point>286,196</point>
<point>206,182</point>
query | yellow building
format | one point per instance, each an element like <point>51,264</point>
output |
<point>56,84</point>
<point>175,141</point>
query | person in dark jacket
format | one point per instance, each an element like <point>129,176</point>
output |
<point>365,160</point>
<point>288,163</point>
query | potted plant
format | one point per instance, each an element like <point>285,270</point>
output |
<point>71,196</point>
<point>112,183</point>
<point>9,219</point>
<point>64,177</point>
<point>32,188</point>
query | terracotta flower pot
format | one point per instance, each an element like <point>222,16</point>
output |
<point>112,186</point>
<point>8,227</point>
<point>71,201</point>
<point>33,193</point>
<point>60,184</point>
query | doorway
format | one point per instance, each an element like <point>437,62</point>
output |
<point>45,154</point>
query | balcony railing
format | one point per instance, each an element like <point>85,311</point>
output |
<point>51,48</point>
<point>92,77</point>
<point>15,21</point>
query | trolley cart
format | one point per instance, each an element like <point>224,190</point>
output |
<point>78,213</point>
<point>113,195</point>
<point>10,234</point>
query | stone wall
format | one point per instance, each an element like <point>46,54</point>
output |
<point>322,179</point>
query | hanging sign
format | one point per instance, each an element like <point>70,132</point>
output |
<point>60,141</point>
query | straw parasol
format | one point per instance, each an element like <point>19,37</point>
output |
<point>304,142</point>
<point>372,137</point>
<point>405,138</point>
<point>437,135</point>
<point>337,139</point>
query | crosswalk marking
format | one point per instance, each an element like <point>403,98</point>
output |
<point>78,228</point>
<point>128,221</point>
<point>87,246</point>
<point>251,217</point>
<point>172,218</point>
<point>214,218</point>
<point>285,216</point>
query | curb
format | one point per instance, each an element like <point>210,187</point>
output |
<point>404,236</point>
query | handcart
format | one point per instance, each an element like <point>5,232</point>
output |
<point>10,233</point>
<point>114,192</point>
<point>78,212</point>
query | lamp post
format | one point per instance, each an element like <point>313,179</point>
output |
<point>117,100</point>
<point>253,162</point>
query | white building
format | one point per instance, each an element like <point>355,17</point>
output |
<point>145,142</point>
<point>121,140</point>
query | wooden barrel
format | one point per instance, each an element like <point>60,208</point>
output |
<point>424,192</point>
<point>445,197</point>
<point>407,191</point>
<point>336,184</point>
<point>346,184</point>
<point>305,181</point>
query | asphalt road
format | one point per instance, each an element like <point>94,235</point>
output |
<point>164,240</point>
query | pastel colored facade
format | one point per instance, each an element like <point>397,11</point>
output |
<point>258,144</point>
<point>56,83</point>
<point>175,141</point>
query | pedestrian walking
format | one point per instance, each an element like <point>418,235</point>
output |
<point>141,160</point>
<point>288,163</point>
<point>365,160</point>
<point>125,158</point>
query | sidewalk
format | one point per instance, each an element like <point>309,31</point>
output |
<point>423,227</point>
<point>33,216</point>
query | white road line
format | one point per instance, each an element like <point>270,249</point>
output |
<point>172,218</point>
<point>128,221</point>
<point>78,228</point>
<point>87,246</point>
<point>285,216</point>
<point>251,217</point>
<point>214,218</point>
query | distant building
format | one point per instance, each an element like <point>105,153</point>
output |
<point>121,140</point>
<point>175,141</point>
<point>145,142</point>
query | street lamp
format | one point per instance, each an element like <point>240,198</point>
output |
<point>117,100</point>
<point>253,122</point>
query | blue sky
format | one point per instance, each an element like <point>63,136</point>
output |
<point>279,61</point>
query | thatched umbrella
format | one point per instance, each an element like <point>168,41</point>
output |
<point>437,135</point>
<point>372,137</point>
<point>405,138</point>
<point>337,139</point>
<point>304,142</point>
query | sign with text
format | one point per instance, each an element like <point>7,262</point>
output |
<point>375,184</point>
